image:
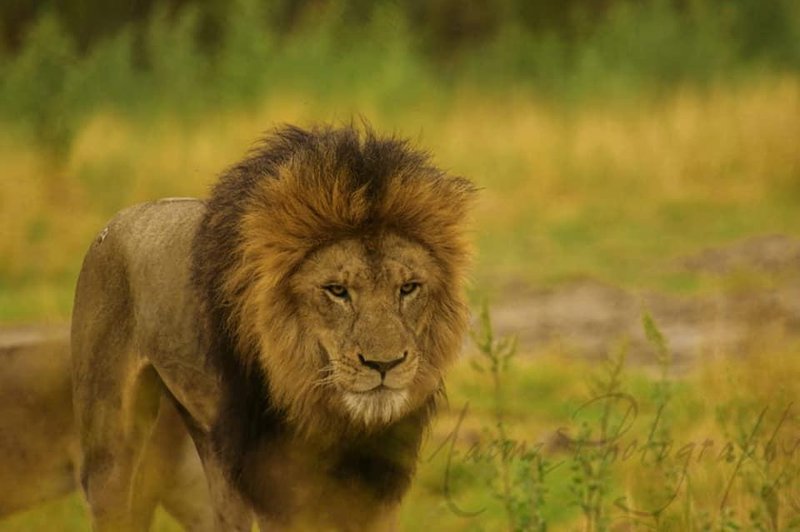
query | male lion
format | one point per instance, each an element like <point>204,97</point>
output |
<point>300,320</point>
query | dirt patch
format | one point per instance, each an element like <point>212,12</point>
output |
<point>15,336</point>
<point>587,317</point>
<point>768,254</point>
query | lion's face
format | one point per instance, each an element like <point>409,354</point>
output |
<point>366,302</point>
<point>335,262</point>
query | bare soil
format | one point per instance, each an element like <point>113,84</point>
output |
<point>587,318</point>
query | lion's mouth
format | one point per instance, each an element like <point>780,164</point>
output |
<point>380,388</point>
<point>378,405</point>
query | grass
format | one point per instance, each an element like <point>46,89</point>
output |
<point>720,469</point>
<point>704,463</point>
<point>615,190</point>
<point>650,139</point>
<point>608,150</point>
<point>71,516</point>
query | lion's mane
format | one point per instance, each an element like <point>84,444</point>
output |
<point>297,191</point>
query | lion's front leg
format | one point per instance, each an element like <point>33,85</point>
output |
<point>231,512</point>
<point>170,472</point>
<point>176,471</point>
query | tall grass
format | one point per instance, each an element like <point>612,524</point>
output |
<point>608,150</point>
<point>615,190</point>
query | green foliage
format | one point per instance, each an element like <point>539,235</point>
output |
<point>242,63</point>
<point>593,454</point>
<point>38,85</point>
<point>175,71</point>
<point>672,473</point>
<point>107,77</point>
<point>634,47</point>
<point>222,54</point>
<point>751,484</point>
<point>519,472</point>
<point>663,356</point>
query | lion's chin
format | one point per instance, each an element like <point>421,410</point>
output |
<point>379,406</point>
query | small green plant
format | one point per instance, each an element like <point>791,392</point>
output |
<point>520,472</point>
<point>594,452</point>
<point>672,474</point>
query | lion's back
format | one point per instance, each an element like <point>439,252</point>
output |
<point>137,271</point>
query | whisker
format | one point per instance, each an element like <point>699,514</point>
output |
<point>324,381</point>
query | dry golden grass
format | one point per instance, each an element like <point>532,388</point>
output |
<point>583,186</point>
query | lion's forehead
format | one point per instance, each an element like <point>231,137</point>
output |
<point>371,263</point>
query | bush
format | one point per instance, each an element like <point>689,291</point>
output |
<point>220,55</point>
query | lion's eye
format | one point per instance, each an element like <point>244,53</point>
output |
<point>337,290</point>
<point>408,288</point>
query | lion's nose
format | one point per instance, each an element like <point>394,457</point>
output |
<point>383,367</point>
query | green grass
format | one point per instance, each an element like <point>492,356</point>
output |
<point>717,403</point>
<point>68,514</point>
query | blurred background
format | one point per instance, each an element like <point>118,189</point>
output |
<point>633,156</point>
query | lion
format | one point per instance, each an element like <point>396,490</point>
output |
<point>301,320</point>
